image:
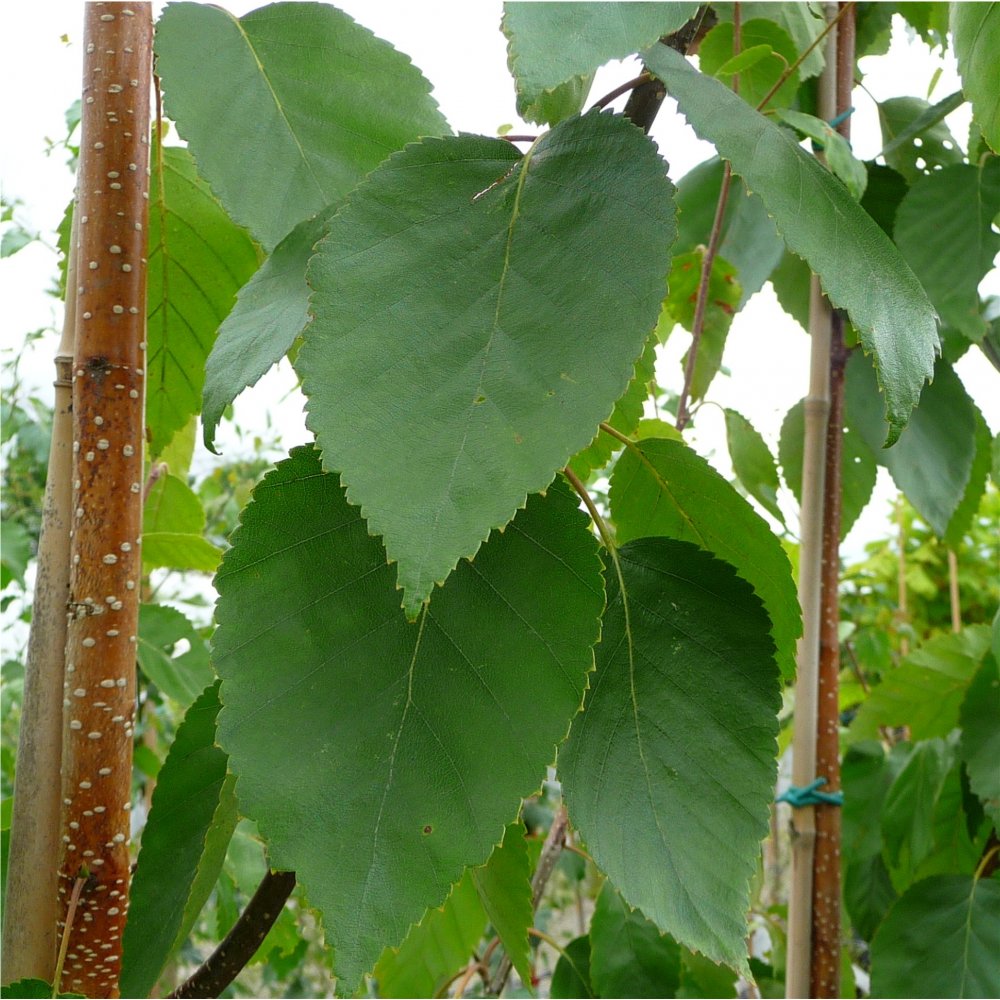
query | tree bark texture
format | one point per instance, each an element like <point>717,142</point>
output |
<point>105,565</point>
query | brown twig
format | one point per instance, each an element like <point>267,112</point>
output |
<point>242,942</point>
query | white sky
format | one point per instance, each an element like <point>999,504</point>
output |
<point>460,49</point>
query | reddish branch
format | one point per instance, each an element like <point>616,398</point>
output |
<point>826,931</point>
<point>108,390</point>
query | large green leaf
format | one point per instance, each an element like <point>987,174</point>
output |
<point>436,948</point>
<point>183,677</point>
<point>927,689</point>
<point>312,102</point>
<point>941,939</point>
<point>361,758</point>
<point>571,976</point>
<point>753,463</point>
<point>861,270</point>
<point>183,846</point>
<point>976,35</point>
<point>950,208</point>
<point>197,261</point>
<point>669,770</point>
<point>858,470</point>
<point>980,747</point>
<point>504,886</point>
<point>271,311</point>
<point>932,460</point>
<point>749,241</point>
<point>662,487</point>
<point>629,956</point>
<point>549,44</point>
<point>967,509</point>
<point>477,314</point>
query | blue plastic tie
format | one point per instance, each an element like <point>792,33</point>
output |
<point>798,798</point>
<point>842,117</point>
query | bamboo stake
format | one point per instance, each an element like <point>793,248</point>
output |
<point>30,910</point>
<point>817,406</point>
<point>953,595</point>
<point>105,565</point>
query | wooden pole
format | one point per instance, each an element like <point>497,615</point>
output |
<point>105,565</point>
<point>30,910</point>
<point>817,406</point>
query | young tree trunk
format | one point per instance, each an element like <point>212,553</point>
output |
<point>817,405</point>
<point>30,910</point>
<point>826,931</point>
<point>105,564</point>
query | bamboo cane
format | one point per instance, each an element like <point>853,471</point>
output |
<point>30,911</point>
<point>105,565</point>
<point>817,406</point>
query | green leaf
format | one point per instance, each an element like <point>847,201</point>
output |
<point>271,311</point>
<point>716,53</point>
<point>925,691</point>
<point>172,505</point>
<point>976,36</point>
<point>184,842</point>
<point>701,977</point>
<point>34,989</point>
<point>333,751</point>
<point>798,19</point>
<point>858,470</point>
<point>868,893</point>
<point>940,940</point>
<point>679,307</point>
<point>967,509</point>
<point>475,250</point>
<point>625,417</point>
<point>549,44</point>
<point>438,947</point>
<point>629,957</point>
<point>867,773</point>
<point>16,553</point>
<point>902,116</point>
<point>932,460</point>
<point>504,887</point>
<point>980,720</point>
<point>14,239</point>
<point>552,106</point>
<point>197,261</point>
<point>749,240</point>
<point>676,743</point>
<point>179,550</point>
<point>836,149</point>
<point>753,463</point>
<point>791,280</point>
<point>884,191</point>
<point>662,487</point>
<point>182,677</point>
<point>917,126</point>
<point>836,236</point>
<point>929,20</point>
<point>331,98</point>
<point>571,977</point>
<point>953,207</point>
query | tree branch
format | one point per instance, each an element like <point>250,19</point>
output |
<point>240,944</point>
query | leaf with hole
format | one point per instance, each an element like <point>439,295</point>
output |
<point>477,314</point>
<point>333,751</point>
<point>677,743</point>
<point>331,98</point>
<point>860,268</point>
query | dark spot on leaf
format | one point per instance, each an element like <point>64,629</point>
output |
<point>480,399</point>
<point>428,829</point>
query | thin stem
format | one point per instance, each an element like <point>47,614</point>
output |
<point>520,138</point>
<point>991,853</point>
<point>780,82</point>
<point>608,429</point>
<point>714,239</point>
<point>74,900</point>
<point>708,260</point>
<point>242,942</point>
<point>624,88</point>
